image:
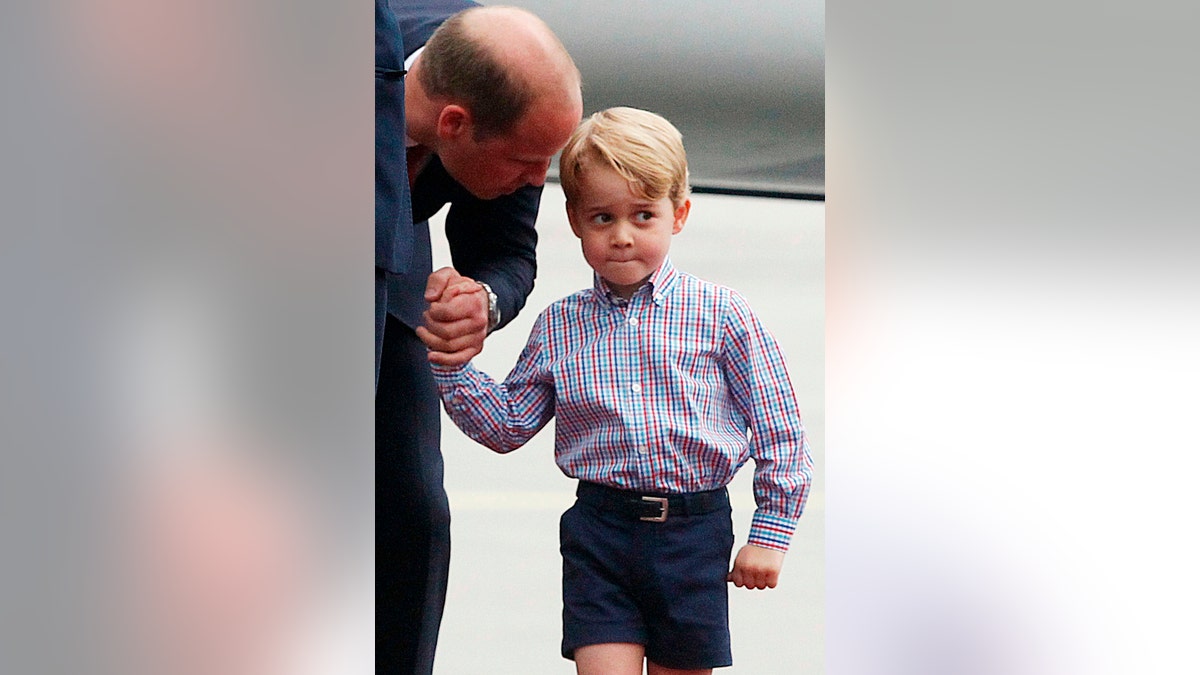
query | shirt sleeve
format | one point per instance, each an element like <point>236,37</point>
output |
<point>762,393</point>
<point>501,416</point>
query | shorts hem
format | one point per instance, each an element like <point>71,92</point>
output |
<point>691,665</point>
<point>602,638</point>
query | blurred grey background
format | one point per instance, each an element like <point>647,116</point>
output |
<point>745,84</point>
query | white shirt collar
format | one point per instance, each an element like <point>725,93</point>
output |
<point>412,58</point>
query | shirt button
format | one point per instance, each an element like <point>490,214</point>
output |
<point>637,388</point>
<point>641,450</point>
<point>633,321</point>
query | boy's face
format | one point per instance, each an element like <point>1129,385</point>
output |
<point>625,237</point>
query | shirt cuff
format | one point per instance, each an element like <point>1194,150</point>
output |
<point>773,532</point>
<point>447,374</point>
<point>451,381</point>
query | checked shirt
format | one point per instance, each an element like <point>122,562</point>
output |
<point>671,391</point>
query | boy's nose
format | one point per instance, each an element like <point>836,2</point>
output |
<point>622,237</point>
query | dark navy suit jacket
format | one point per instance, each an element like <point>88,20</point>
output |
<point>493,241</point>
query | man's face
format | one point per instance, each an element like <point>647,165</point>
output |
<point>501,165</point>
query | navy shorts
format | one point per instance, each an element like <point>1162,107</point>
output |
<point>657,584</point>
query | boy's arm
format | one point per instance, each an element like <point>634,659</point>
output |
<point>762,392</point>
<point>503,416</point>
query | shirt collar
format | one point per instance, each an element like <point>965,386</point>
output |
<point>658,286</point>
<point>412,58</point>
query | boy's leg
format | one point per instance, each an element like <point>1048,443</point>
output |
<point>613,658</point>
<point>655,669</point>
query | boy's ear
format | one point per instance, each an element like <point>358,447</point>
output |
<point>681,215</point>
<point>453,122</point>
<point>573,218</point>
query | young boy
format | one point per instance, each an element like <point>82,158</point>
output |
<point>655,377</point>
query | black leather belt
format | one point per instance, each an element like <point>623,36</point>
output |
<point>653,507</point>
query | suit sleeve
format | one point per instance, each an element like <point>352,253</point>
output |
<point>495,242</point>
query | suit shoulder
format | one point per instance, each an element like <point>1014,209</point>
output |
<point>418,20</point>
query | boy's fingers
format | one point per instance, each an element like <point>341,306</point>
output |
<point>443,352</point>
<point>425,336</point>
<point>754,581</point>
<point>455,346</point>
<point>454,335</point>
<point>753,578</point>
<point>453,358</point>
<point>734,576</point>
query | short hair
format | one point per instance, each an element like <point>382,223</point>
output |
<point>644,148</point>
<point>459,66</point>
<point>467,60</point>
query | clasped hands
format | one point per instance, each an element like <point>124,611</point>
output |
<point>457,319</point>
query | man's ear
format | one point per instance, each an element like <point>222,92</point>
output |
<point>453,122</point>
<point>681,215</point>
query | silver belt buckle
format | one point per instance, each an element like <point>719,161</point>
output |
<point>661,517</point>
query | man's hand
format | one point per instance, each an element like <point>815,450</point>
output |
<point>457,318</point>
<point>756,567</point>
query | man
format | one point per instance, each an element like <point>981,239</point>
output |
<point>489,96</point>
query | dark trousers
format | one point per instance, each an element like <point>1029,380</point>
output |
<point>412,514</point>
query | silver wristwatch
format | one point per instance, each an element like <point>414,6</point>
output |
<point>493,308</point>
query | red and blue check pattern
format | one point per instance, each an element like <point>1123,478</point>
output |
<point>672,391</point>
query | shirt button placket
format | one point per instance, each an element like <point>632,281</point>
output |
<point>636,390</point>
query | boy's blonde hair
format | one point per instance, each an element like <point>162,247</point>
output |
<point>641,146</point>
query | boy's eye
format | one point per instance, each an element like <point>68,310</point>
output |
<point>602,218</point>
<point>644,216</point>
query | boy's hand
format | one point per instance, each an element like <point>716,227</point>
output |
<point>456,321</point>
<point>756,567</point>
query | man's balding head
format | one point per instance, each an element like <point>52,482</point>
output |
<point>497,62</point>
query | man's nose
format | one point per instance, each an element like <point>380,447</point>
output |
<point>537,175</point>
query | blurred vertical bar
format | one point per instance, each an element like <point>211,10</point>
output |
<point>185,373</point>
<point>1012,330</point>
